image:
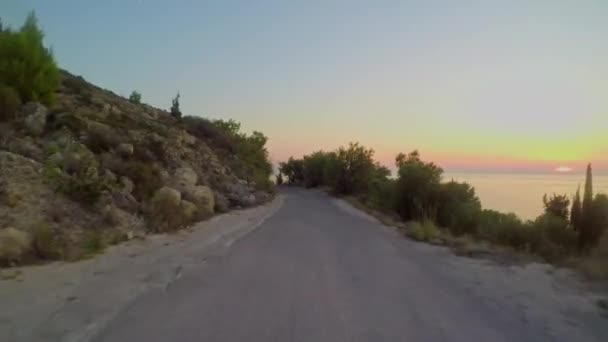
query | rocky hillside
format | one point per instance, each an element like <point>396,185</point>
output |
<point>96,169</point>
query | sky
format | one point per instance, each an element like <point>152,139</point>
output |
<point>473,85</point>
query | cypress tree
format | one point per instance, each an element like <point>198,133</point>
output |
<point>586,230</point>
<point>175,111</point>
<point>575,212</point>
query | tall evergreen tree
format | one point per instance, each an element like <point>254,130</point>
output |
<point>586,230</point>
<point>26,65</point>
<point>576,211</point>
<point>175,111</point>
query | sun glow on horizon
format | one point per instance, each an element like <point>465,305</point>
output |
<point>563,169</point>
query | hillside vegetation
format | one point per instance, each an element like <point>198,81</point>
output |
<point>81,167</point>
<point>434,208</point>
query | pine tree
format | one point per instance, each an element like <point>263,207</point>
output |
<point>586,230</point>
<point>575,212</point>
<point>26,65</point>
<point>175,111</point>
<point>135,97</point>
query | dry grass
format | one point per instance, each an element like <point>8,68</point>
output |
<point>595,266</point>
<point>385,219</point>
<point>422,231</point>
<point>464,245</point>
<point>47,242</point>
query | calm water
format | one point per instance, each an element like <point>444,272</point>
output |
<point>522,193</point>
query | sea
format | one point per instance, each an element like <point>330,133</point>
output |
<point>522,193</point>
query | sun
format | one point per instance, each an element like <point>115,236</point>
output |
<point>563,169</point>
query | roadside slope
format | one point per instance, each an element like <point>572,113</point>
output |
<point>96,169</point>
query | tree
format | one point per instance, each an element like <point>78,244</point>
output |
<point>26,65</point>
<point>352,170</point>
<point>599,217</point>
<point>228,126</point>
<point>280,179</point>
<point>293,169</point>
<point>458,207</point>
<point>576,211</point>
<point>557,205</point>
<point>9,103</point>
<point>586,231</point>
<point>251,150</point>
<point>315,166</point>
<point>417,187</point>
<point>135,97</point>
<point>175,111</point>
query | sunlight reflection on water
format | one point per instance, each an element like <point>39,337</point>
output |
<point>522,193</point>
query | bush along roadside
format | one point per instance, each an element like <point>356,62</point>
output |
<point>437,211</point>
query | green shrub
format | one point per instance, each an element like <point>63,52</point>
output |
<point>599,217</point>
<point>381,195</point>
<point>314,168</point>
<point>417,187</point>
<point>77,176</point>
<point>146,176</point>
<point>76,84</point>
<point>92,243</point>
<point>425,231</point>
<point>293,169</point>
<point>26,65</point>
<point>381,191</point>
<point>47,243</point>
<point>135,97</point>
<point>71,121</point>
<point>175,111</point>
<point>211,132</point>
<point>253,157</point>
<point>165,213</point>
<point>116,236</point>
<point>557,205</point>
<point>157,148</point>
<point>246,154</point>
<point>596,265</point>
<point>458,208</point>
<point>102,138</point>
<point>552,237</point>
<point>9,103</point>
<point>503,229</point>
<point>352,169</point>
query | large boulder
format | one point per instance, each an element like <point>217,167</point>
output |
<point>27,148</point>
<point>184,178</point>
<point>166,195</point>
<point>127,184</point>
<point>125,201</point>
<point>203,197</point>
<point>15,245</point>
<point>125,149</point>
<point>189,212</point>
<point>240,195</point>
<point>34,117</point>
<point>164,210</point>
<point>222,204</point>
<point>262,197</point>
